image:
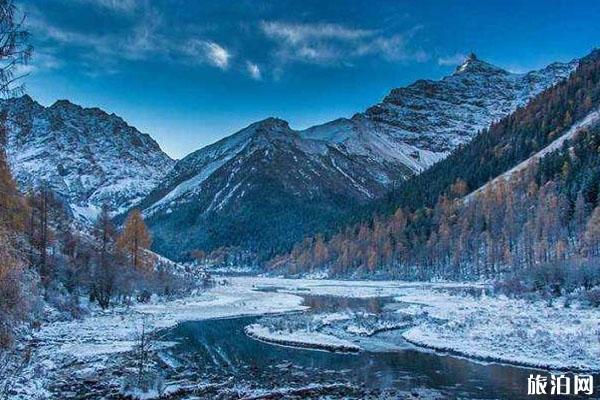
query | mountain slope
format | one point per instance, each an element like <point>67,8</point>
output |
<point>266,186</point>
<point>84,155</point>
<point>589,121</point>
<point>536,174</point>
<point>437,116</point>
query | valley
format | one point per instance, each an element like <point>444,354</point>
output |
<point>333,201</point>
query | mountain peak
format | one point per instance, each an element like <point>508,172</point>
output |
<point>24,100</point>
<point>273,122</point>
<point>53,144</point>
<point>472,64</point>
<point>63,103</point>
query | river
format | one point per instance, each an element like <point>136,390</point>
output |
<point>389,366</point>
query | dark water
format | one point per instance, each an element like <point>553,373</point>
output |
<point>221,347</point>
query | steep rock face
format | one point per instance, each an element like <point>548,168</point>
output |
<point>86,156</point>
<point>437,116</point>
<point>267,186</point>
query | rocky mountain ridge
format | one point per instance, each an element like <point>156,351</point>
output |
<point>84,155</point>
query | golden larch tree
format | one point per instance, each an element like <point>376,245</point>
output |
<point>134,239</point>
<point>591,235</point>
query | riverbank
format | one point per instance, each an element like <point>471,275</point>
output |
<point>461,319</point>
<point>301,338</point>
<point>519,332</point>
<point>91,342</point>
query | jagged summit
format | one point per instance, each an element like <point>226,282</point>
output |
<point>64,103</point>
<point>474,65</point>
<point>269,125</point>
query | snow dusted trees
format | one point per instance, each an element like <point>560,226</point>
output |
<point>540,216</point>
<point>13,305</point>
<point>13,211</point>
<point>134,240</point>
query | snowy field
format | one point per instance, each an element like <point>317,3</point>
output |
<point>439,316</point>
<point>344,288</point>
<point>506,330</point>
<point>487,328</point>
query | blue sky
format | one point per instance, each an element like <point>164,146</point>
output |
<point>191,72</point>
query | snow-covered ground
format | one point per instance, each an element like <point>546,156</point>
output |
<point>94,339</point>
<point>506,330</point>
<point>588,121</point>
<point>301,338</point>
<point>345,288</point>
<point>441,316</point>
<point>490,328</point>
<point>115,329</point>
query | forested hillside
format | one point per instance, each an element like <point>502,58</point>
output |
<point>545,213</point>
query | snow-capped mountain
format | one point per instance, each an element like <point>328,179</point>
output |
<point>428,119</point>
<point>268,185</point>
<point>86,156</point>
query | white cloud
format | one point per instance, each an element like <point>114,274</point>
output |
<point>451,60</point>
<point>63,36</point>
<point>122,6</point>
<point>145,39</point>
<point>40,61</point>
<point>298,33</point>
<point>217,55</point>
<point>253,70</point>
<point>393,48</point>
<point>337,44</point>
<point>23,69</point>
<point>203,51</point>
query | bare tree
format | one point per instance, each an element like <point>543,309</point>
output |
<point>104,276</point>
<point>15,50</point>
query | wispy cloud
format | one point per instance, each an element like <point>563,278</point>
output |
<point>327,43</point>
<point>202,51</point>
<point>299,33</point>
<point>141,30</point>
<point>393,48</point>
<point>453,59</point>
<point>253,70</point>
<point>122,6</point>
<point>147,38</point>
<point>217,55</point>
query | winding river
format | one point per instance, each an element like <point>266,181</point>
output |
<point>388,366</point>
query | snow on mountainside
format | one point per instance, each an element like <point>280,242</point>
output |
<point>86,156</point>
<point>437,116</point>
<point>234,191</point>
<point>593,118</point>
<point>305,166</point>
